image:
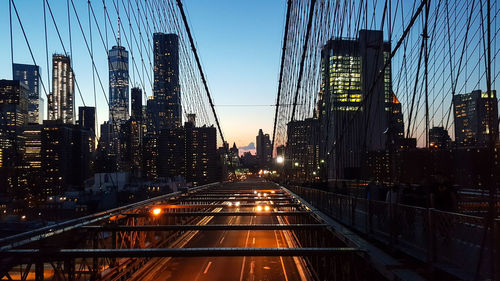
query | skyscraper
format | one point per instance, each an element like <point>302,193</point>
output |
<point>355,108</point>
<point>473,113</point>
<point>61,101</point>
<point>166,90</point>
<point>13,118</point>
<point>302,149</point>
<point>190,152</point>
<point>439,138</point>
<point>65,156</point>
<point>86,117</point>
<point>30,75</point>
<point>118,85</point>
<point>136,95</point>
<point>86,120</point>
<point>264,149</point>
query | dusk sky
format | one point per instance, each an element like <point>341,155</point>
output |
<point>239,43</point>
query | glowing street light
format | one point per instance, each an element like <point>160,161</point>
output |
<point>156,211</point>
<point>280,159</point>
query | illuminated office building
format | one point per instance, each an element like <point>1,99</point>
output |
<point>474,112</point>
<point>190,152</point>
<point>30,76</point>
<point>118,85</point>
<point>302,149</point>
<point>166,89</point>
<point>61,102</point>
<point>13,117</point>
<point>355,105</point>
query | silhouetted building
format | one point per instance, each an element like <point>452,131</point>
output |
<point>439,138</point>
<point>86,120</point>
<point>356,109</point>
<point>189,152</point>
<point>30,76</point>
<point>136,94</point>
<point>31,172</point>
<point>302,149</point>
<point>396,127</point>
<point>250,162</point>
<point>473,113</point>
<point>130,157</point>
<point>150,156</point>
<point>61,102</point>
<point>32,157</point>
<point>65,156</point>
<point>264,149</point>
<point>118,85</point>
<point>86,117</point>
<point>166,89</point>
<point>13,117</point>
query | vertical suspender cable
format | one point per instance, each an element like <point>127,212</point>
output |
<point>304,50</point>
<point>285,38</point>
<point>191,41</point>
<point>11,41</point>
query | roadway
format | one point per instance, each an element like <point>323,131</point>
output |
<point>230,268</point>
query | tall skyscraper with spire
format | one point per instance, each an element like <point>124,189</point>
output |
<point>118,82</point>
<point>61,100</point>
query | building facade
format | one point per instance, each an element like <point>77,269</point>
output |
<point>61,102</point>
<point>474,112</point>
<point>355,104</point>
<point>166,88</point>
<point>190,152</point>
<point>264,149</point>
<point>65,156</point>
<point>136,97</point>
<point>13,118</point>
<point>118,85</point>
<point>302,150</point>
<point>439,138</point>
<point>30,76</point>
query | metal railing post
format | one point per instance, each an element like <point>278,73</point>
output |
<point>431,237</point>
<point>496,241</point>
<point>39,270</point>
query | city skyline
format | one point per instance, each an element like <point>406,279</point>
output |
<point>259,59</point>
<point>258,41</point>
<point>283,140</point>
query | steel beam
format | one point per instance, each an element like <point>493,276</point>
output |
<point>189,199</point>
<point>118,228</point>
<point>176,252</point>
<point>216,214</point>
<point>48,231</point>
<point>197,206</point>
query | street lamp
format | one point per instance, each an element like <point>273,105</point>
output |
<point>280,159</point>
<point>156,211</point>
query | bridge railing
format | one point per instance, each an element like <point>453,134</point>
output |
<point>449,241</point>
<point>64,226</point>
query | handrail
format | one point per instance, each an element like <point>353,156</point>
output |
<point>50,230</point>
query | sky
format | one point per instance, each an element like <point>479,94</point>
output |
<point>239,43</point>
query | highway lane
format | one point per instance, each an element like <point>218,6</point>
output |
<point>232,268</point>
